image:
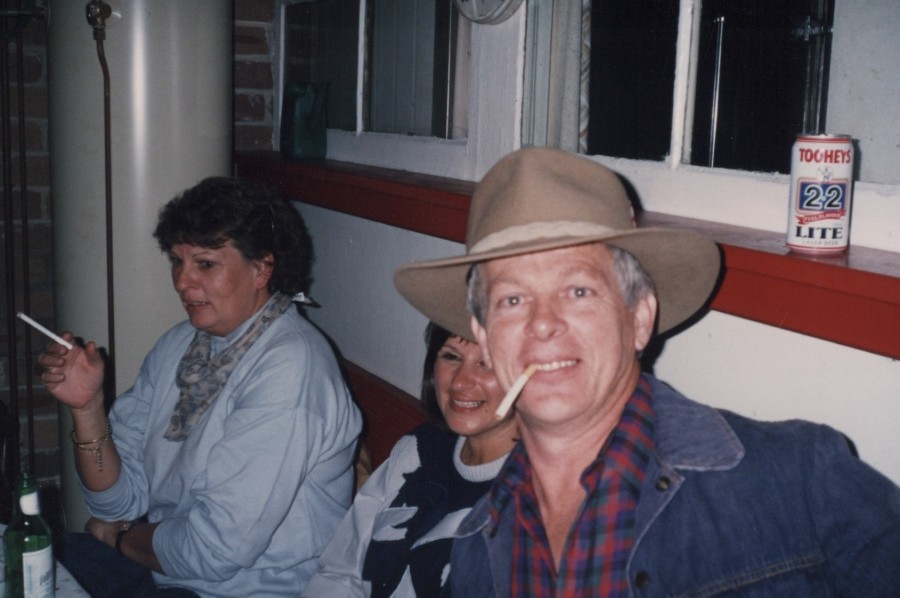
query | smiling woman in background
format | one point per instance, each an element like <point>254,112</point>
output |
<point>396,539</point>
<point>236,440</point>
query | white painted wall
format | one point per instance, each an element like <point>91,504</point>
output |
<point>864,87</point>
<point>353,283</point>
<point>728,362</point>
<point>725,361</point>
<point>773,374</point>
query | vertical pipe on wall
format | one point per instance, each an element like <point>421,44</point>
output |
<point>170,66</point>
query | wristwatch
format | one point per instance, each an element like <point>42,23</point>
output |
<point>121,534</point>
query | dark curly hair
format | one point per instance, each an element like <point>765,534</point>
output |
<point>435,337</point>
<point>256,219</point>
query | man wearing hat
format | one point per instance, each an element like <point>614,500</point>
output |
<point>621,486</point>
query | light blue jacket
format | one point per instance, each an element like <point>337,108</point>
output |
<point>732,506</point>
<point>249,500</point>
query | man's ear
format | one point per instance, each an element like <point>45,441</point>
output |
<point>644,315</point>
<point>480,335</point>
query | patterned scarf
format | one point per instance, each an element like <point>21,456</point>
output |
<point>201,379</point>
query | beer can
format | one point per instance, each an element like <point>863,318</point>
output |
<point>821,194</point>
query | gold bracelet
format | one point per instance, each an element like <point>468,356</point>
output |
<point>97,450</point>
<point>101,439</point>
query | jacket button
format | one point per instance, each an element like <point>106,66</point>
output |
<point>663,483</point>
<point>642,579</point>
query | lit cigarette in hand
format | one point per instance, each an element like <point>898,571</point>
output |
<point>514,391</point>
<point>49,334</point>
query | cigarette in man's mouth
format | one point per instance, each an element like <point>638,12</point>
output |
<point>51,335</point>
<point>514,390</point>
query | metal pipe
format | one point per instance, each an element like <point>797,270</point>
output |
<point>26,253</point>
<point>714,111</point>
<point>9,251</point>
<point>97,13</point>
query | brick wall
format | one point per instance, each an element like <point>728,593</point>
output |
<point>254,74</point>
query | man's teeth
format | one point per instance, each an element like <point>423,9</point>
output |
<point>555,365</point>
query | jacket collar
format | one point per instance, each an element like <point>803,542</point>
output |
<point>690,435</point>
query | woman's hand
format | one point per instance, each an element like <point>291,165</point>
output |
<point>104,531</point>
<point>74,376</point>
<point>138,544</point>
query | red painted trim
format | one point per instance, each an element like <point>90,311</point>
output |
<point>853,299</point>
<point>389,412</point>
<point>846,306</point>
<point>430,205</point>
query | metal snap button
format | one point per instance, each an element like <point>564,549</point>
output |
<point>642,579</point>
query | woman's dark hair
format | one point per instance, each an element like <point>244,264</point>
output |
<point>435,337</point>
<point>256,219</point>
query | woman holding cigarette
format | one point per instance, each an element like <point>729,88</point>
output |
<point>396,539</point>
<point>235,443</point>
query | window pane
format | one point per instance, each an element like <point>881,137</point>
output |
<point>770,83</point>
<point>414,69</point>
<point>321,40</point>
<point>411,67</point>
<point>632,77</point>
<point>759,78</point>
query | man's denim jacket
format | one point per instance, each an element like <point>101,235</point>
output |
<point>732,506</point>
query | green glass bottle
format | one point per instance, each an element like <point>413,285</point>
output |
<point>28,546</point>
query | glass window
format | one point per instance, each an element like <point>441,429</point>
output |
<point>321,40</point>
<point>414,68</point>
<point>760,81</point>
<point>758,78</point>
<point>632,77</point>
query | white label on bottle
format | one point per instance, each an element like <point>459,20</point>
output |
<point>29,504</point>
<point>37,573</point>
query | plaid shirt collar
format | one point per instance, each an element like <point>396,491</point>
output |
<point>612,483</point>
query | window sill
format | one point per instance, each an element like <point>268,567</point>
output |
<point>853,299</point>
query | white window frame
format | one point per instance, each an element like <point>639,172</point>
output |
<point>494,99</point>
<point>733,197</point>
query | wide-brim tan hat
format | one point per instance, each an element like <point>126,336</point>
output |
<point>537,199</point>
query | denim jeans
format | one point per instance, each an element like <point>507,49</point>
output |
<point>104,573</point>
